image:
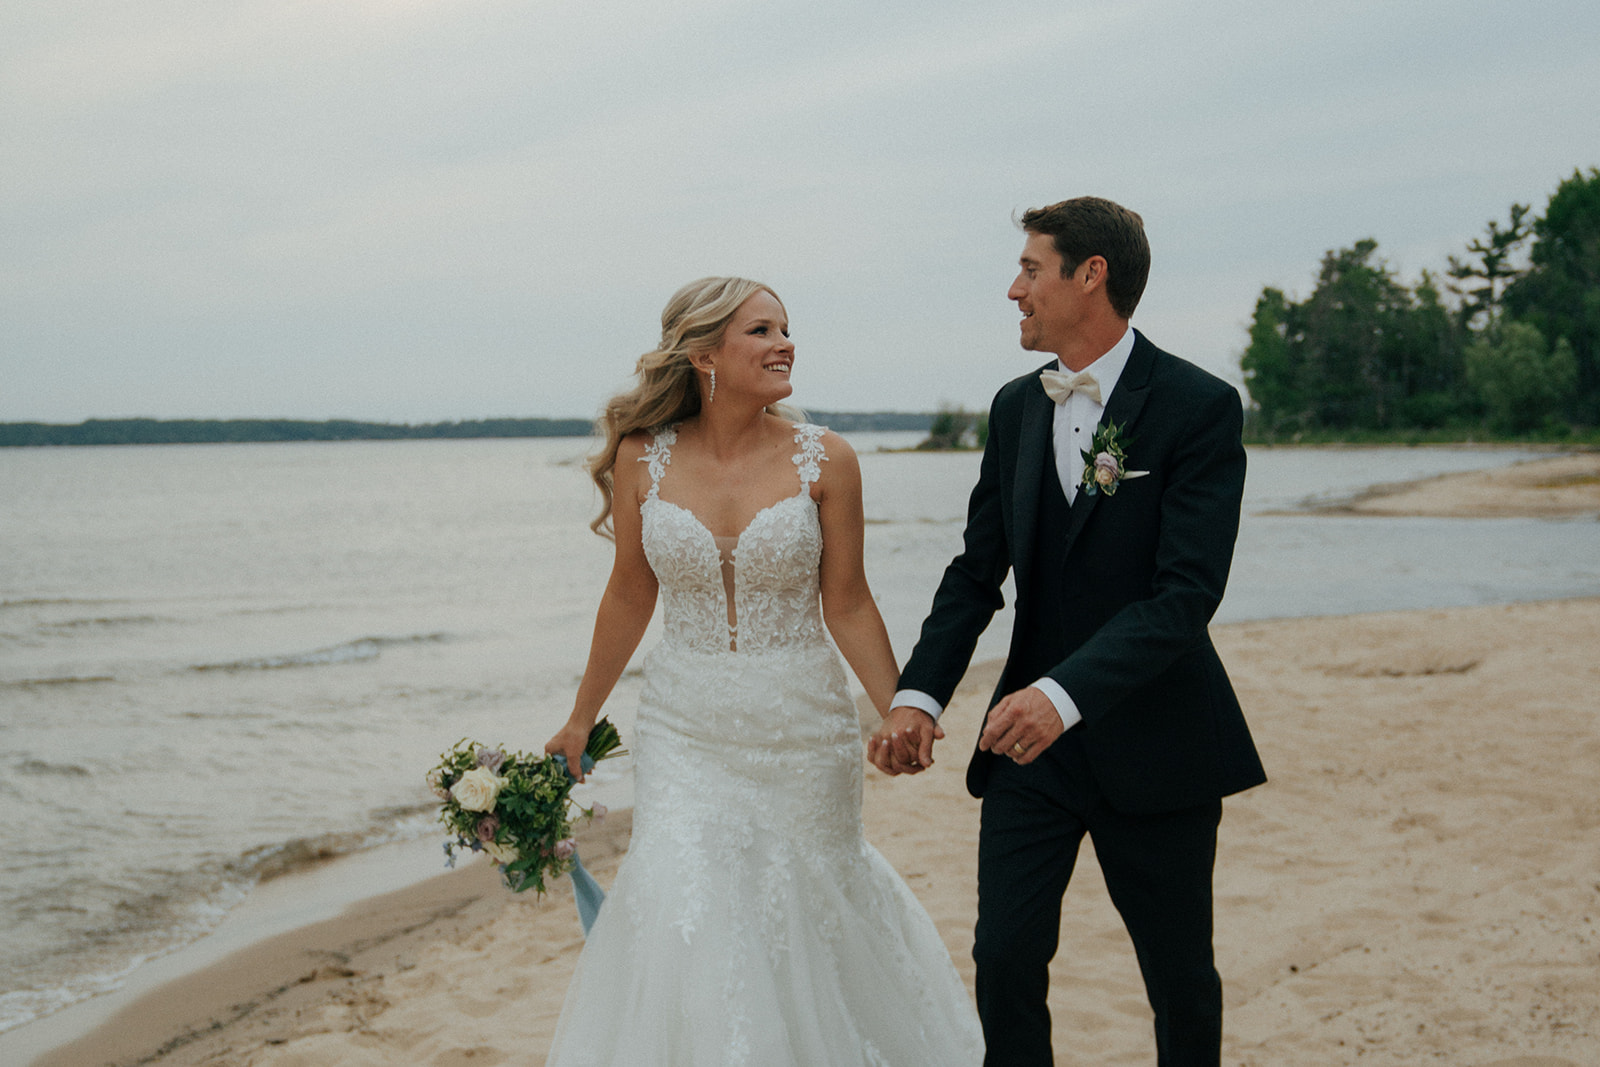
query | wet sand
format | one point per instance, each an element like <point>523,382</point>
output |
<point>1560,487</point>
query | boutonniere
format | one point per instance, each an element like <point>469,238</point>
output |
<point>1105,464</point>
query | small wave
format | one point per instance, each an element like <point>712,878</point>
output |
<point>22,1006</point>
<point>273,861</point>
<point>72,679</point>
<point>401,812</point>
<point>106,621</point>
<point>64,770</point>
<point>122,927</point>
<point>280,609</point>
<point>366,648</point>
<point>388,824</point>
<point>53,602</point>
<point>168,915</point>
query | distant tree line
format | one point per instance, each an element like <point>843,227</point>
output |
<point>1508,340</point>
<point>239,431</point>
<point>231,431</point>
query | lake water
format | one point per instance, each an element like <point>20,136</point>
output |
<point>221,662</point>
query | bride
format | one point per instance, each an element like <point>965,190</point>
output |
<point>750,922</point>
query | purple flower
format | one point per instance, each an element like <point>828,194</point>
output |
<point>598,812</point>
<point>488,826</point>
<point>491,758</point>
<point>565,848</point>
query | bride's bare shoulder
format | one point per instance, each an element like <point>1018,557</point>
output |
<point>835,445</point>
<point>634,446</point>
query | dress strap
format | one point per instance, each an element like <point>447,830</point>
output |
<point>658,453</point>
<point>811,455</point>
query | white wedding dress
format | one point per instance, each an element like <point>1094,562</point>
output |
<point>750,922</point>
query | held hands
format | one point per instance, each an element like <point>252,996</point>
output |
<point>1021,726</point>
<point>904,742</point>
<point>570,742</point>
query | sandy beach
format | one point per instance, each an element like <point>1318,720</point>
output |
<point>1566,486</point>
<point>1419,882</point>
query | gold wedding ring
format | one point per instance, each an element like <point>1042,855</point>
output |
<point>1019,749</point>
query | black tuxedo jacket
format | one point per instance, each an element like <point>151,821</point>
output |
<point>1144,571</point>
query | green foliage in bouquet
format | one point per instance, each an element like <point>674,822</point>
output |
<point>516,807</point>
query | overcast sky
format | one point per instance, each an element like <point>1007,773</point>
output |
<point>416,210</point>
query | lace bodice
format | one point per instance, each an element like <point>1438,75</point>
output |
<point>773,562</point>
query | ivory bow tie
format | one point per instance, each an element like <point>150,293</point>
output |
<point>1059,386</point>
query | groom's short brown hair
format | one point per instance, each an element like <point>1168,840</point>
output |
<point>1091,226</point>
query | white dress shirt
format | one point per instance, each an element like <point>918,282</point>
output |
<point>1070,434</point>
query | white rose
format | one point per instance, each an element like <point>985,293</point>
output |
<point>502,853</point>
<point>478,789</point>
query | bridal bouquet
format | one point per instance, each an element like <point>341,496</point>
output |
<point>516,807</point>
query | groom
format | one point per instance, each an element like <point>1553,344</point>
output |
<point>1113,716</point>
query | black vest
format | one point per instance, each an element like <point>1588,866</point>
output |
<point>1040,640</point>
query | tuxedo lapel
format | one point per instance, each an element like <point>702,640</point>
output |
<point>1127,399</point>
<point>1122,408</point>
<point>1033,451</point>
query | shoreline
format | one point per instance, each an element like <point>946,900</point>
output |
<point>310,894</point>
<point>320,981</point>
<point>254,983</point>
<point>1564,486</point>
<point>1404,889</point>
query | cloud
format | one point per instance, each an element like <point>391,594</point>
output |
<point>461,208</point>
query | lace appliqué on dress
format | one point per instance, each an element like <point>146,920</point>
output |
<point>811,455</point>
<point>751,923</point>
<point>658,454</point>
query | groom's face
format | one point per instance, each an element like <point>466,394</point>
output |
<point>1051,305</point>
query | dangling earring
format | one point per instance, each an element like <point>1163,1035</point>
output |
<point>713,395</point>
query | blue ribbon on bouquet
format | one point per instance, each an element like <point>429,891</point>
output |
<point>585,890</point>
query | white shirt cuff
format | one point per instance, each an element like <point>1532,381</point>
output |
<point>1070,715</point>
<point>916,698</point>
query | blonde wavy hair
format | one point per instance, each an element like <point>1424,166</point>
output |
<point>694,321</point>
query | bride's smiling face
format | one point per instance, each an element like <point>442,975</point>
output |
<point>756,355</point>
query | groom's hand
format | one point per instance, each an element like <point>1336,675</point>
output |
<point>1021,726</point>
<point>904,742</point>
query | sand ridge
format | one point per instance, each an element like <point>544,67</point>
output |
<point>1558,487</point>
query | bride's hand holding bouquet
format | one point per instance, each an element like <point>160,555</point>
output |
<point>571,742</point>
<point>517,807</point>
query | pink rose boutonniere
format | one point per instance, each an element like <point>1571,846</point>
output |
<point>1105,464</point>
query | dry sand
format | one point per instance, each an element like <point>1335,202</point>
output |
<point>1419,882</point>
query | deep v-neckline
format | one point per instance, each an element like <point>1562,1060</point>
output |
<point>728,564</point>
<point>738,539</point>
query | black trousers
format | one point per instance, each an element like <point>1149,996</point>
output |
<point>1158,871</point>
